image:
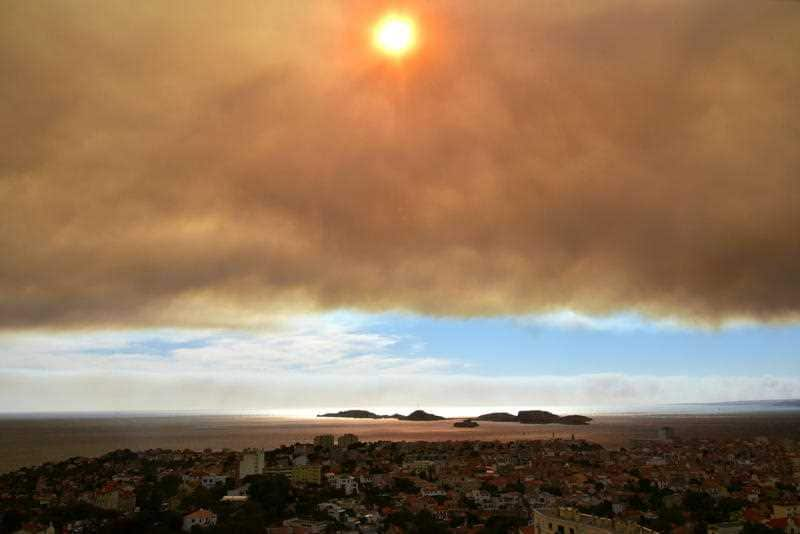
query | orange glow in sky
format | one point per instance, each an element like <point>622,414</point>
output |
<point>395,35</point>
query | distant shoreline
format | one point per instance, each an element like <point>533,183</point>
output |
<point>671,409</point>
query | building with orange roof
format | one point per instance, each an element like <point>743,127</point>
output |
<point>201,518</point>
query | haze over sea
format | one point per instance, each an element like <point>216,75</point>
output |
<point>33,438</point>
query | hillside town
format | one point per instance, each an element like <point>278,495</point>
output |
<point>340,484</point>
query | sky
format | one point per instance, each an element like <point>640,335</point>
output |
<point>249,206</point>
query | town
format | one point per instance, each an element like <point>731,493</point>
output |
<point>340,484</point>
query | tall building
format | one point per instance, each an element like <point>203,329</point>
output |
<point>252,463</point>
<point>345,440</point>
<point>325,441</point>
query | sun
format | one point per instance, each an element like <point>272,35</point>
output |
<point>395,35</point>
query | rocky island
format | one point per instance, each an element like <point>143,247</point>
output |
<point>419,415</point>
<point>466,423</point>
<point>535,417</point>
<point>416,415</point>
<point>356,414</point>
<point>499,417</point>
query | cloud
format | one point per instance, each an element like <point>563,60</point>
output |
<point>621,323</point>
<point>302,345</point>
<point>204,165</point>
<point>311,363</point>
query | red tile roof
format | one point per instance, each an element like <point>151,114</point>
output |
<point>202,513</point>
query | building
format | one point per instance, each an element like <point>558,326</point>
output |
<point>110,497</point>
<point>241,490</point>
<point>345,440</point>
<point>306,525</point>
<point>332,510</point>
<point>786,510</point>
<point>234,498</point>
<point>252,463</point>
<point>304,474</point>
<point>570,521</point>
<point>343,482</point>
<point>307,474</point>
<point>199,518</point>
<point>325,441</point>
<point>734,527</point>
<point>210,481</point>
<point>35,528</point>
<point>421,466</point>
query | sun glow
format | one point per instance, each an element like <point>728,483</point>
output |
<point>395,35</point>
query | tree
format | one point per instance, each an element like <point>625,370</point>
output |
<point>517,486</point>
<point>425,523</point>
<point>404,485</point>
<point>11,521</point>
<point>421,523</point>
<point>168,486</point>
<point>502,525</point>
<point>697,502</point>
<point>272,493</point>
<point>199,498</point>
<point>490,488</point>
<point>758,528</point>
<point>604,509</point>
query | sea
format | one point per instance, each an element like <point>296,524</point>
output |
<point>28,439</point>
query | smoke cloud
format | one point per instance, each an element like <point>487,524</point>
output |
<point>203,164</point>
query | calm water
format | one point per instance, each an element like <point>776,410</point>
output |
<point>30,439</point>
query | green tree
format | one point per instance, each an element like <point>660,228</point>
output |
<point>404,485</point>
<point>272,493</point>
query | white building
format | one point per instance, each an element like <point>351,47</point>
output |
<point>252,463</point>
<point>344,482</point>
<point>238,492</point>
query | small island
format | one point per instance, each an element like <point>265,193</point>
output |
<point>416,415</point>
<point>466,423</point>
<point>419,415</point>
<point>499,417</point>
<point>355,414</point>
<point>535,417</point>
